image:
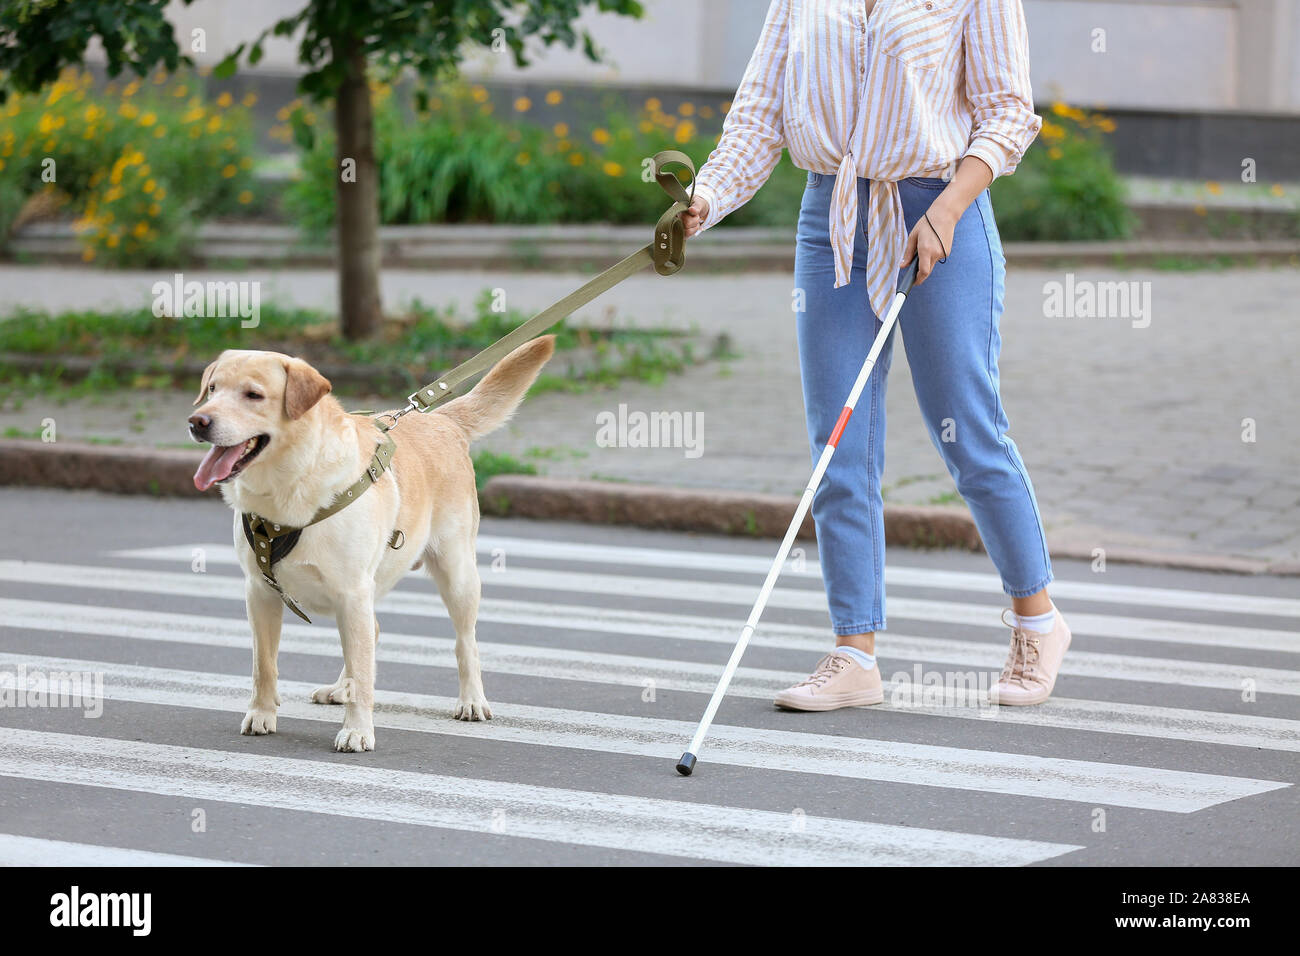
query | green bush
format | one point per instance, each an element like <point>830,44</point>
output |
<point>1066,186</point>
<point>457,161</point>
<point>141,167</point>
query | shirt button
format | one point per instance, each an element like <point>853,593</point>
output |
<point>929,6</point>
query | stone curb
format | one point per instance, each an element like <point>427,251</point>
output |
<point>551,247</point>
<point>136,470</point>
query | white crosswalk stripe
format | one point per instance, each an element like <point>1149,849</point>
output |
<point>615,821</point>
<point>33,851</point>
<point>674,590</point>
<point>538,624</point>
<point>718,562</point>
<point>1055,779</point>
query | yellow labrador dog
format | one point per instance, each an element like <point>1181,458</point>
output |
<point>283,447</point>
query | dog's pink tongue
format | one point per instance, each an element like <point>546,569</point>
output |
<point>216,465</point>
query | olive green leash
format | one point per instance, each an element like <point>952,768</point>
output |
<point>667,253</point>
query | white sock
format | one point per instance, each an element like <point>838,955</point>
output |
<point>862,657</point>
<point>1038,623</point>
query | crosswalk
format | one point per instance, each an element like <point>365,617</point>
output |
<point>598,656</point>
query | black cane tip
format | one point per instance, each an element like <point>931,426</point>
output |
<point>686,764</point>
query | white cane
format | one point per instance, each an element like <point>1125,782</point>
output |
<point>687,763</point>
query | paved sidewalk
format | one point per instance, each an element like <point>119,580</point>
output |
<point>1133,435</point>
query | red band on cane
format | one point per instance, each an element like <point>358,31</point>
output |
<point>839,426</point>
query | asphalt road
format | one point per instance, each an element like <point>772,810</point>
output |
<point>1172,737</point>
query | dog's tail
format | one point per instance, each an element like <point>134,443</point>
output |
<point>494,399</point>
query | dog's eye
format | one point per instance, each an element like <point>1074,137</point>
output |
<point>253,396</point>
<point>212,388</point>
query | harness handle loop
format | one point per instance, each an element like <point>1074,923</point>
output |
<point>668,251</point>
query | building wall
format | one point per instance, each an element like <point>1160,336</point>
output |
<point>1211,55</point>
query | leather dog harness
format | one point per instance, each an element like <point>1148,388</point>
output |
<point>271,542</point>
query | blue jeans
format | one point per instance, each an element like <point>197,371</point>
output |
<point>950,330</point>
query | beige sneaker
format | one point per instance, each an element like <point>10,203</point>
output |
<point>1032,664</point>
<point>838,681</point>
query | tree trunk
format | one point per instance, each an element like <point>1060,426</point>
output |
<point>358,203</point>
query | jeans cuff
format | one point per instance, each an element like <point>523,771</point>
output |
<point>1025,592</point>
<point>843,629</point>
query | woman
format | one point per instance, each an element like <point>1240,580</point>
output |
<point>903,112</point>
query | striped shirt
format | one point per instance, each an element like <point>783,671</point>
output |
<point>908,89</point>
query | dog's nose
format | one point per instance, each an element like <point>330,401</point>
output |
<point>199,425</point>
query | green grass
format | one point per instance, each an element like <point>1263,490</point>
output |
<point>134,348</point>
<point>488,463</point>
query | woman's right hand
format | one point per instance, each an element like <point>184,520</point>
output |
<point>692,217</point>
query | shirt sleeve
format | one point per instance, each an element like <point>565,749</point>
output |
<point>996,42</point>
<point>752,134</point>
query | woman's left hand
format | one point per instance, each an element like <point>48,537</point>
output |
<point>933,240</point>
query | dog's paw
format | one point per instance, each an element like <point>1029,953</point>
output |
<point>472,709</point>
<point>258,722</point>
<point>354,740</point>
<point>332,694</point>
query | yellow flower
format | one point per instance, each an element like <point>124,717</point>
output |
<point>246,163</point>
<point>575,159</point>
<point>159,132</point>
<point>479,93</point>
<point>1052,131</point>
<point>180,91</point>
<point>229,171</point>
<point>706,112</point>
<point>131,88</point>
<point>561,130</point>
<point>140,230</point>
<point>149,185</point>
<point>685,130</point>
<point>645,126</point>
<point>1055,152</point>
<point>523,104</point>
<point>112,241</point>
<point>148,119</point>
<point>522,159</point>
<point>1060,109</point>
<point>224,100</point>
<point>245,197</point>
<point>686,109</point>
<point>87,254</point>
<point>1214,188</point>
<point>160,195</point>
<point>282,114</point>
<point>214,123</point>
<point>1106,124</point>
<point>1277,190</point>
<point>652,105</point>
<point>725,106</point>
<point>554,97</point>
<point>600,136</point>
<point>612,169</point>
<point>154,209</point>
<point>1199,209</point>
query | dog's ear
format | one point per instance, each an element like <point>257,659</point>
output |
<point>303,387</point>
<point>207,377</point>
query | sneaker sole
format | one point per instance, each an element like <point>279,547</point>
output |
<point>831,702</point>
